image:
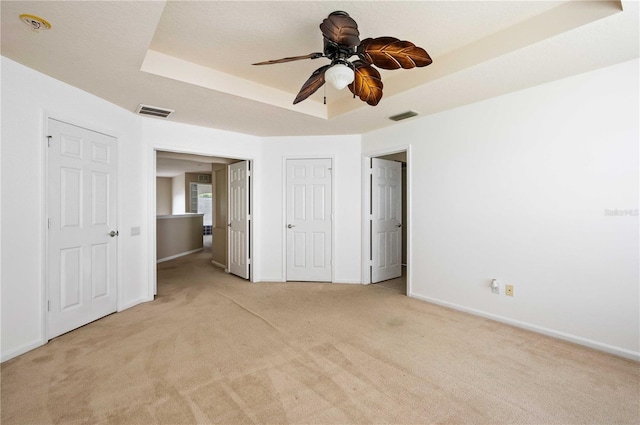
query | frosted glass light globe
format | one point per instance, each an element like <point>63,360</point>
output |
<point>339,75</point>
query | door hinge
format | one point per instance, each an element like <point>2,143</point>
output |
<point>48,305</point>
<point>48,223</point>
<point>248,260</point>
<point>249,173</point>
<point>49,141</point>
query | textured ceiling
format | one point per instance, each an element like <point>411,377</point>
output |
<point>195,56</point>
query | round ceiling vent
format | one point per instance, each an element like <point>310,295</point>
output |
<point>35,22</point>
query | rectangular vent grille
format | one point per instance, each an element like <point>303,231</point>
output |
<point>403,116</point>
<point>153,111</point>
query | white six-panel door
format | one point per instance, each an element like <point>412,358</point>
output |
<point>82,213</point>
<point>386,226</point>
<point>309,220</point>
<point>239,219</point>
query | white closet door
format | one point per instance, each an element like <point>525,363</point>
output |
<point>309,220</point>
<point>82,213</point>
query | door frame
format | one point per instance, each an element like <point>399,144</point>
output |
<point>366,207</point>
<point>44,158</point>
<point>151,203</point>
<point>285,158</point>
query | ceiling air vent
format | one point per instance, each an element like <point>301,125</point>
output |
<point>403,116</point>
<point>154,111</point>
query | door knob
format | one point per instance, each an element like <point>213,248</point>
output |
<point>114,233</point>
<point>291,225</point>
<point>229,225</point>
<point>398,225</point>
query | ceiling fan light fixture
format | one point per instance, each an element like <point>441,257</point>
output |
<point>339,75</point>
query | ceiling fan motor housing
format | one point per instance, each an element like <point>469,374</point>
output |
<point>335,51</point>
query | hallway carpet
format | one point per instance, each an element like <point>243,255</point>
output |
<point>213,348</point>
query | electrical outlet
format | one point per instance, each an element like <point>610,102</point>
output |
<point>509,290</point>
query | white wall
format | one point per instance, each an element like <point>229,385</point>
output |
<point>163,196</point>
<point>27,96</point>
<point>177,195</point>
<point>345,151</point>
<point>516,188</point>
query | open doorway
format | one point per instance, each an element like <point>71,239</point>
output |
<point>386,221</point>
<point>192,208</point>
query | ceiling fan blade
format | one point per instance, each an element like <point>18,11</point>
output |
<point>312,84</point>
<point>291,59</point>
<point>367,83</point>
<point>392,53</point>
<point>341,29</point>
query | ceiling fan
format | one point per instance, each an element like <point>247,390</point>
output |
<point>341,42</point>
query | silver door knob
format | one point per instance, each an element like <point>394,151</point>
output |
<point>291,225</point>
<point>114,233</point>
<point>229,225</point>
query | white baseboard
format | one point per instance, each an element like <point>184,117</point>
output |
<point>611,349</point>
<point>8,355</point>
<point>220,265</point>
<point>348,281</point>
<point>182,254</point>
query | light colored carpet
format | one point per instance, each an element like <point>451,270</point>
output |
<point>216,349</point>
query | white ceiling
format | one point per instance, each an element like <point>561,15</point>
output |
<point>195,56</point>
